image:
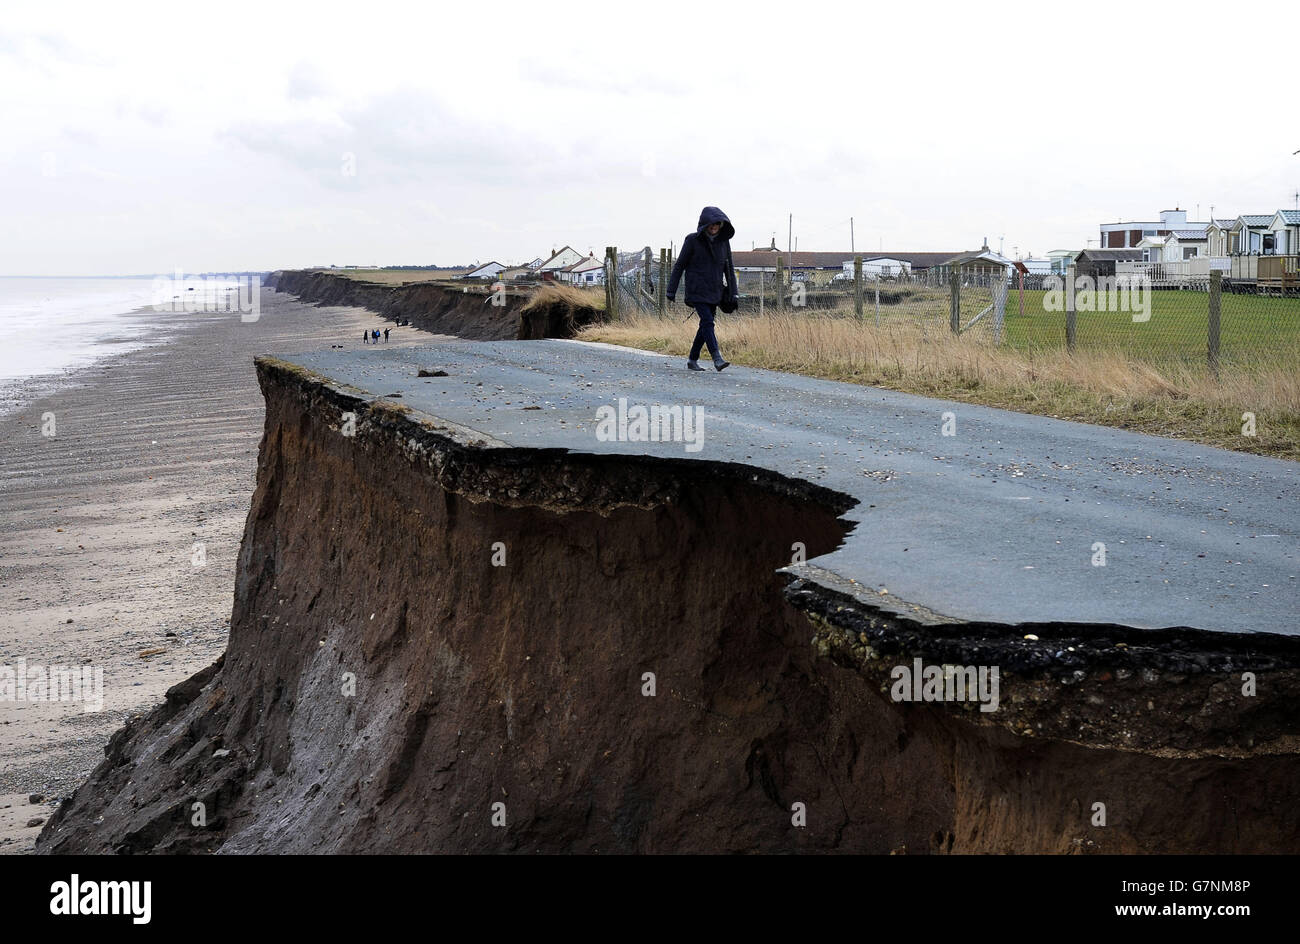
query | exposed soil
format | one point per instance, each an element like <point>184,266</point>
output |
<point>386,685</point>
<point>462,311</point>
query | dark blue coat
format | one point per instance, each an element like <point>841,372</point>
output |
<point>705,262</point>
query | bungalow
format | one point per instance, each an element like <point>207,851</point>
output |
<point>1061,259</point>
<point>1286,232</point>
<point>982,262</point>
<point>1184,244</point>
<point>588,271</point>
<point>559,259</point>
<point>876,267</point>
<point>1152,248</point>
<point>488,270</point>
<point>1097,263</point>
<point>1250,235</point>
<point>1216,237</point>
<point>823,267</point>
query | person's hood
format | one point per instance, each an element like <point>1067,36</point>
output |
<point>711,215</point>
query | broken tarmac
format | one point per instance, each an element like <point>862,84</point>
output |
<point>999,522</point>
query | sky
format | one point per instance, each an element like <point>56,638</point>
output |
<point>142,138</point>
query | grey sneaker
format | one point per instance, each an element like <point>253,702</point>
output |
<point>720,364</point>
<point>693,365</point>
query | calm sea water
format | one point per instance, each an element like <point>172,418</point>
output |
<point>49,326</point>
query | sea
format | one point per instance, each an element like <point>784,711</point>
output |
<point>50,328</point>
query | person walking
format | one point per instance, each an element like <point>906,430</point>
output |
<point>705,260</point>
<point>365,337</point>
<point>385,335</point>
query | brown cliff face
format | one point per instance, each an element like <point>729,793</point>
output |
<point>441,308</point>
<point>387,685</point>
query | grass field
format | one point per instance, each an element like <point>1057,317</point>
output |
<point>398,276</point>
<point>1252,329</point>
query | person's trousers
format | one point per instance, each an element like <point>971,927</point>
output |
<point>705,334</point>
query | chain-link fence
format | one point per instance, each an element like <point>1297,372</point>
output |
<point>1187,319</point>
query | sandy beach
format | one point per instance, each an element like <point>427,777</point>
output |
<point>119,533</point>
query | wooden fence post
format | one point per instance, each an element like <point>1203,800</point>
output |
<point>780,283</point>
<point>663,282</point>
<point>857,286</point>
<point>954,314</point>
<point>1070,324</point>
<point>611,283</point>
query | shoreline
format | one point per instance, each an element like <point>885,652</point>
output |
<point>119,533</point>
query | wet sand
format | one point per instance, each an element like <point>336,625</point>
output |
<point>119,533</point>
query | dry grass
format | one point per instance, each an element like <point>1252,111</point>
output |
<point>570,296</point>
<point>1107,388</point>
<point>398,276</point>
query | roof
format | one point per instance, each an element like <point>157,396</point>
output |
<point>1256,219</point>
<point>1290,217</point>
<point>832,260</point>
<point>484,266</point>
<point>1111,255</point>
<point>1186,234</point>
<point>557,254</point>
<point>1223,223</point>
<point>977,255</point>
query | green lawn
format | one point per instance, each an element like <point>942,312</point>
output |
<point>1252,329</point>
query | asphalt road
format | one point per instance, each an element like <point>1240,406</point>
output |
<point>1000,521</point>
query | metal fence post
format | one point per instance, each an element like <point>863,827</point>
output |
<point>954,316</point>
<point>1216,296</point>
<point>1069,309</point>
<point>877,303</point>
<point>857,286</point>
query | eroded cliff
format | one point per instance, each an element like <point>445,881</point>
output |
<point>441,644</point>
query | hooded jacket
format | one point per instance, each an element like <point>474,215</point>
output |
<point>705,262</point>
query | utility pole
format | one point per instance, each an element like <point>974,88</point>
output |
<point>852,248</point>
<point>789,236</point>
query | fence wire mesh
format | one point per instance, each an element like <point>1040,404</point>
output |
<point>1158,320</point>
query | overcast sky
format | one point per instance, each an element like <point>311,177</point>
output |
<point>143,138</point>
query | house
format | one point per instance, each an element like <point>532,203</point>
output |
<point>588,271</point>
<point>876,267</point>
<point>1216,237</point>
<point>1033,266</point>
<point>821,268</point>
<point>1098,263</point>
<point>1183,244</point>
<point>1152,248</point>
<point>1124,235</point>
<point>1286,232</point>
<point>977,262</point>
<point>559,259</point>
<point>488,270</point>
<point>1250,234</point>
<point>1060,259</point>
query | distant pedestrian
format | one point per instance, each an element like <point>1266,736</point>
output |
<point>705,260</point>
<point>385,335</point>
<point>365,337</point>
